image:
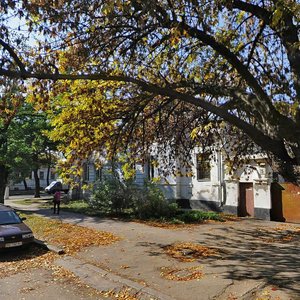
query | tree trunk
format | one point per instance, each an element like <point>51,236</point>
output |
<point>25,184</point>
<point>48,174</point>
<point>3,182</point>
<point>37,184</point>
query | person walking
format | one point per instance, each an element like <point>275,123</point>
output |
<point>56,202</point>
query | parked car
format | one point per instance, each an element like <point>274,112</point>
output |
<point>56,186</point>
<point>13,232</point>
<point>53,187</point>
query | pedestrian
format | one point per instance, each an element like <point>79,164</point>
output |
<point>56,201</point>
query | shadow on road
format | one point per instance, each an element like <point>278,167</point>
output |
<point>22,253</point>
<point>259,254</point>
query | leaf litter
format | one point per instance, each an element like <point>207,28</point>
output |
<point>188,252</point>
<point>72,238</point>
<point>280,234</point>
<point>184,274</point>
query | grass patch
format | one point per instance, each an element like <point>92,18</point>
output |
<point>81,207</point>
<point>196,216</point>
<point>180,218</point>
<point>42,202</point>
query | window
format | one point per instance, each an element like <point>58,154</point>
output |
<point>42,175</point>
<point>52,175</point>
<point>151,168</point>
<point>99,174</point>
<point>203,166</point>
<point>86,172</point>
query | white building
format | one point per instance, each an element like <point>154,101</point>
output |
<point>245,193</point>
<point>30,182</point>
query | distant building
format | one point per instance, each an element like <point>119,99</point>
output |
<point>30,182</point>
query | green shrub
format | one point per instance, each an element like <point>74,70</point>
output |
<point>196,216</point>
<point>110,196</point>
<point>150,203</point>
<point>145,202</point>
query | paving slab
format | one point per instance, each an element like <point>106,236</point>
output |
<point>250,267</point>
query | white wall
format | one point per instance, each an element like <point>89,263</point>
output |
<point>42,172</point>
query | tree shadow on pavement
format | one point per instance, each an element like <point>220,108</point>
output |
<point>259,254</point>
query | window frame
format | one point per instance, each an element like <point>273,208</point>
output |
<point>203,167</point>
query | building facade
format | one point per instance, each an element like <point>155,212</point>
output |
<point>208,186</point>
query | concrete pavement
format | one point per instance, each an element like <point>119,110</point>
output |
<point>253,264</point>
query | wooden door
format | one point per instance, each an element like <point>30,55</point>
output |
<point>246,200</point>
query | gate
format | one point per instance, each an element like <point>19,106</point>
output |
<point>246,200</point>
<point>285,202</point>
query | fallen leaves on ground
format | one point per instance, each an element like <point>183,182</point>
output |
<point>24,259</point>
<point>173,226</point>
<point>279,234</point>
<point>72,238</point>
<point>123,294</point>
<point>188,252</point>
<point>166,225</point>
<point>185,274</point>
<point>67,277</point>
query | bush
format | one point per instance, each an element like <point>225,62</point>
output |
<point>147,202</point>
<point>196,216</point>
<point>110,196</point>
<point>150,203</point>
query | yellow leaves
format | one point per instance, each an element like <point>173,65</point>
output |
<point>128,170</point>
<point>191,58</point>
<point>185,274</point>
<point>36,258</point>
<point>209,76</point>
<point>194,133</point>
<point>188,252</point>
<point>107,7</point>
<point>72,237</point>
<point>174,40</point>
<point>280,234</point>
<point>123,294</point>
<point>176,34</point>
<point>277,15</point>
<point>87,109</point>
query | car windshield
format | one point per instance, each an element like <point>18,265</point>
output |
<point>9,217</point>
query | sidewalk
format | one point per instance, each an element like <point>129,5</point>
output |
<point>248,268</point>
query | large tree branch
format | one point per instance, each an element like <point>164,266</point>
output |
<point>285,29</point>
<point>267,143</point>
<point>13,55</point>
<point>255,10</point>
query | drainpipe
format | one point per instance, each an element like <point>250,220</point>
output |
<point>178,183</point>
<point>221,187</point>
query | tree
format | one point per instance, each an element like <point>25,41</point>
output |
<point>233,61</point>
<point>10,101</point>
<point>29,148</point>
<point>24,144</point>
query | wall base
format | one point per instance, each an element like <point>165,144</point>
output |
<point>259,213</point>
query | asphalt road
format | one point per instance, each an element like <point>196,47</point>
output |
<point>257,260</point>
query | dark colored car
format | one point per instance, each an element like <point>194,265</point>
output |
<point>13,232</point>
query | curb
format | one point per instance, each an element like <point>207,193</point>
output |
<point>50,247</point>
<point>103,280</point>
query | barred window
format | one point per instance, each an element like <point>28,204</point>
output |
<point>52,175</point>
<point>42,175</point>
<point>203,166</point>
